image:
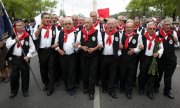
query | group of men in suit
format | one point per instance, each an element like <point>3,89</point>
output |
<point>95,52</point>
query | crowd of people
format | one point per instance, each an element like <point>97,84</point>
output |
<point>96,51</point>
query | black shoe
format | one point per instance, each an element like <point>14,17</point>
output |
<point>113,95</point>
<point>72,93</point>
<point>26,94</point>
<point>156,90</point>
<point>57,84</point>
<point>2,79</point>
<point>45,87</point>
<point>150,96</point>
<point>86,91</point>
<point>169,95</point>
<point>12,95</point>
<point>6,80</point>
<point>104,90</point>
<point>129,95</point>
<point>122,90</point>
<point>91,96</point>
<point>141,92</point>
<point>49,93</point>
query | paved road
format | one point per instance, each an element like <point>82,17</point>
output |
<point>38,99</point>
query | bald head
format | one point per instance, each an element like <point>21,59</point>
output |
<point>93,15</point>
<point>129,27</point>
<point>111,24</point>
<point>88,23</point>
<point>75,20</point>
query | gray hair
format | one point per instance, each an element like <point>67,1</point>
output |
<point>123,18</point>
<point>68,20</point>
<point>150,23</point>
<point>89,19</point>
<point>129,21</point>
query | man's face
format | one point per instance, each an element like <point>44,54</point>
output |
<point>81,21</point>
<point>129,27</point>
<point>151,29</point>
<point>94,17</point>
<point>120,21</point>
<point>75,21</point>
<point>46,19</point>
<point>19,26</point>
<point>54,19</point>
<point>110,25</point>
<point>136,21</point>
<point>68,25</point>
<point>88,24</point>
<point>167,25</point>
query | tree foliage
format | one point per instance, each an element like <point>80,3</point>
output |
<point>154,7</point>
<point>27,9</point>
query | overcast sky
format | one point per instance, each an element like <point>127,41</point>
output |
<point>85,6</point>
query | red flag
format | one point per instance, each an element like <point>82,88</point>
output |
<point>103,13</point>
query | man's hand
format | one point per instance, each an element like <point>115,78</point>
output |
<point>141,46</point>
<point>175,39</point>
<point>61,52</point>
<point>121,46</point>
<point>26,58</point>
<point>100,46</point>
<point>91,50</point>
<point>131,51</point>
<point>54,46</point>
<point>41,26</point>
<point>17,39</point>
<point>76,44</point>
<point>155,55</point>
<point>84,48</point>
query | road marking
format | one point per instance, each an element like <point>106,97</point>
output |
<point>178,66</point>
<point>97,99</point>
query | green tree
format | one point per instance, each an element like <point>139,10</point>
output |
<point>154,7</point>
<point>27,9</point>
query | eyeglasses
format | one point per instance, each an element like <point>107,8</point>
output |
<point>93,16</point>
<point>74,19</point>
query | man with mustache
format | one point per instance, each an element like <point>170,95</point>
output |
<point>89,41</point>
<point>44,36</point>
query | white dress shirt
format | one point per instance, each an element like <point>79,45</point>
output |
<point>175,35</point>
<point>18,51</point>
<point>108,49</point>
<point>99,38</point>
<point>45,42</point>
<point>149,52</point>
<point>68,46</point>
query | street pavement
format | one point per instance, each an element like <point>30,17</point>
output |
<point>60,99</point>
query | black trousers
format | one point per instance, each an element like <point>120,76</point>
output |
<point>46,61</point>
<point>78,68</point>
<point>68,64</point>
<point>166,65</point>
<point>57,71</point>
<point>144,78</point>
<point>128,67</point>
<point>89,69</point>
<point>108,72</point>
<point>19,68</point>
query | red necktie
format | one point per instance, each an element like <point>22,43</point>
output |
<point>109,39</point>
<point>66,32</point>
<point>150,39</point>
<point>87,34</point>
<point>127,38</point>
<point>23,36</point>
<point>46,35</point>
